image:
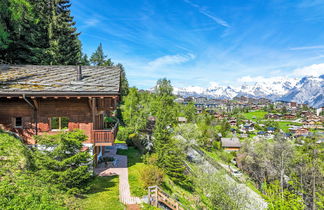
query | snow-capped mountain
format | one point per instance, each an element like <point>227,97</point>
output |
<point>308,90</point>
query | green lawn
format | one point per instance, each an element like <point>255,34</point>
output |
<point>284,125</point>
<point>103,194</point>
<point>135,165</point>
<point>255,115</point>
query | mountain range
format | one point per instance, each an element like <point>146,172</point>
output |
<point>307,90</point>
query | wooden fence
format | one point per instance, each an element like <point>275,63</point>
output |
<point>157,197</point>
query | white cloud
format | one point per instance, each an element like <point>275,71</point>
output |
<point>312,70</point>
<point>205,12</point>
<point>170,60</point>
<point>308,47</point>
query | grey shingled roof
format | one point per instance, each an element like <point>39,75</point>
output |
<point>58,79</point>
<point>230,142</point>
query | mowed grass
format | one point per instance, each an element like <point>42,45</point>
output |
<point>135,166</point>
<point>103,194</point>
<point>255,115</point>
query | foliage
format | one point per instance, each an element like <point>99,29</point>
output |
<point>14,156</point>
<point>38,32</point>
<point>282,199</point>
<point>219,192</point>
<point>98,58</point>
<point>62,162</point>
<point>151,175</point>
<point>123,81</point>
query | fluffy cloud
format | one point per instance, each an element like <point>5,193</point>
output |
<point>170,60</point>
<point>312,70</point>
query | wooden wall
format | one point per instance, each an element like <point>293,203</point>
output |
<point>78,111</point>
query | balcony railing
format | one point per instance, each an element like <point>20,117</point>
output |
<point>105,137</point>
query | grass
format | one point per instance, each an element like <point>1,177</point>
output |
<point>135,166</point>
<point>119,142</point>
<point>255,115</point>
<point>284,125</point>
<point>103,194</point>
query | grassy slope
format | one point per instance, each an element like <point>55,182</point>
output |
<point>257,114</point>
<point>104,194</point>
<point>135,165</point>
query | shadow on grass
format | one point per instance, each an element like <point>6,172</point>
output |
<point>101,184</point>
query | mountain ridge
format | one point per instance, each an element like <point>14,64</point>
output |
<point>307,90</point>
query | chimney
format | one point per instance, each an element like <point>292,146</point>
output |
<point>79,73</point>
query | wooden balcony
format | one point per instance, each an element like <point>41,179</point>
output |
<point>105,137</point>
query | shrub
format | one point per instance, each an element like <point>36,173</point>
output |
<point>151,175</point>
<point>151,159</point>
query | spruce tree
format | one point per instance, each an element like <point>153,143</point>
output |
<point>98,57</point>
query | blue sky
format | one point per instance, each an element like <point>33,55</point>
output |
<point>196,42</point>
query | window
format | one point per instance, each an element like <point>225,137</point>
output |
<point>59,123</point>
<point>18,122</point>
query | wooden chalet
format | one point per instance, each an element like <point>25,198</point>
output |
<point>48,99</point>
<point>231,144</point>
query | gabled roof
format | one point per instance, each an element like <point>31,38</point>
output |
<point>230,142</point>
<point>35,79</point>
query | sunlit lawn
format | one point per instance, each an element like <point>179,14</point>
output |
<point>255,115</point>
<point>104,194</point>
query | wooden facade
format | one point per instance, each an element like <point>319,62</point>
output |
<point>85,113</point>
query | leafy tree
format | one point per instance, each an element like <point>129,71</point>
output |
<point>282,199</point>
<point>219,193</point>
<point>309,170</point>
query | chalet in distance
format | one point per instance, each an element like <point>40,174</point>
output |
<point>48,99</point>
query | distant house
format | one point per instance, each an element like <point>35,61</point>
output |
<point>181,119</point>
<point>231,144</point>
<point>271,129</point>
<point>289,116</point>
<point>298,131</point>
<point>247,127</point>
<point>232,122</point>
<point>272,116</point>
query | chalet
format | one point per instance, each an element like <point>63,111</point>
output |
<point>298,131</point>
<point>35,100</point>
<point>289,116</point>
<point>232,122</point>
<point>293,105</point>
<point>272,116</point>
<point>231,144</point>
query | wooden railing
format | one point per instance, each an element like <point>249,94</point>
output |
<point>157,198</point>
<point>105,137</point>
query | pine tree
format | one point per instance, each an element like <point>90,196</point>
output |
<point>123,80</point>
<point>98,57</point>
<point>84,60</point>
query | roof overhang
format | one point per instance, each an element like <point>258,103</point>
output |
<point>61,94</point>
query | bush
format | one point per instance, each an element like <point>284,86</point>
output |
<point>151,159</point>
<point>151,175</point>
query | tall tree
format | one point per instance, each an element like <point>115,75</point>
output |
<point>123,80</point>
<point>98,58</point>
